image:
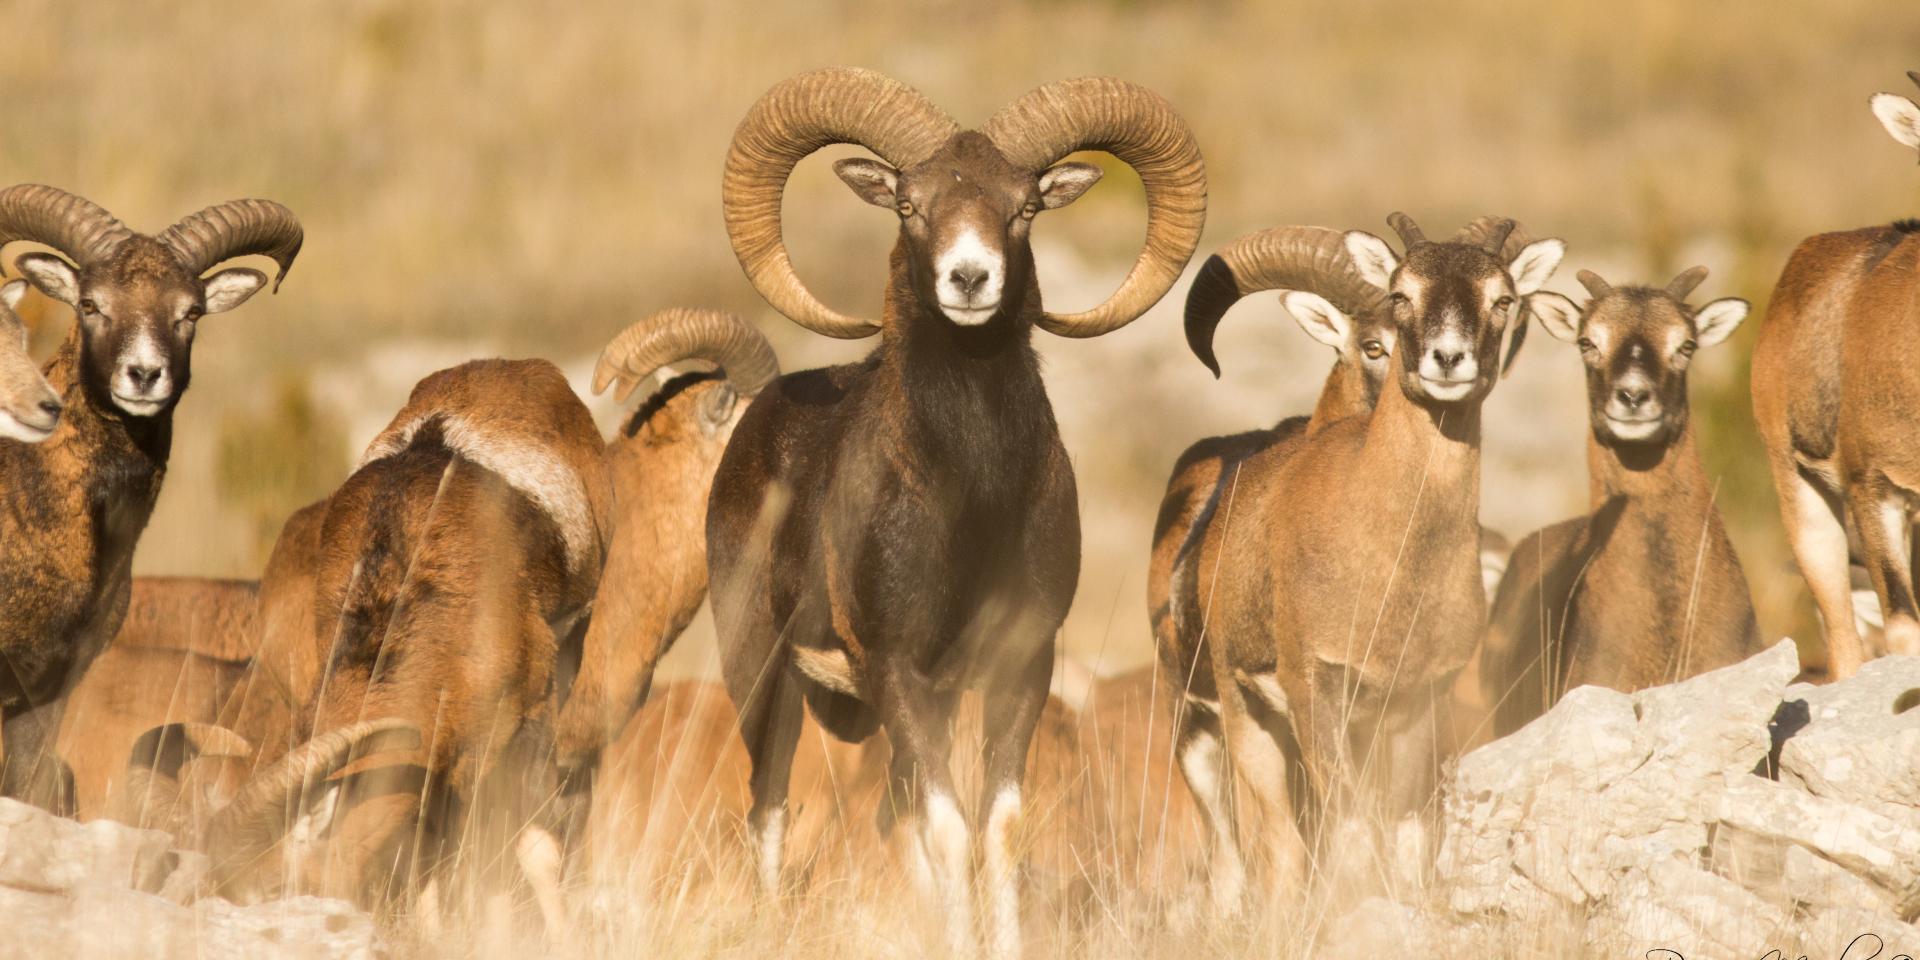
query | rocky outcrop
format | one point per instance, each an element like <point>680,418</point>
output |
<point>102,889</point>
<point>1728,814</point>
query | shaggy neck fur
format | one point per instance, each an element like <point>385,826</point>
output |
<point>976,407</point>
<point>76,506</point>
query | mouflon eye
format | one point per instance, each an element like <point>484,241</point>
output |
<point>1374,349</point>
<point>1687,348</point>
<point>1503,303</point>
<point>87,306</point>
<point>905,207</point>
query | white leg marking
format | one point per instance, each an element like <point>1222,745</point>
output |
<point>1003,881</point>
<point>1902,634</point>
<point>427,911</point>
<point>948,844</point>
<point>1201,760</point>
<point>1410,855</point>
<point>767,851</point>
<point>539,856</point>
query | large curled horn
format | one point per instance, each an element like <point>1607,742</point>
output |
<point>1410,232</point>
<point>1142,129</point>
<point>1681,286</point>
<point>236,228</point>
<point>75,226</point>
<point>1279,258</point>
<point>670,336</point>
<point>241,830</point>
<point>795,118</point>
<point>150,793</point>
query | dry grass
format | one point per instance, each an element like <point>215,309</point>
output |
<point>517,179</point>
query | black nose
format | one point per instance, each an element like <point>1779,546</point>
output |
<point>51,408</point>
<point>968,278</point>
<point>1447,361</point>
<point>143,377</point>
<point>1633,397</point>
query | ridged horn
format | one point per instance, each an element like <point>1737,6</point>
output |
<point>1681,287</point>
<point>795,118</point>
<point>73,225</point>
<point>670,336</point>
<point>1483,231</point>
<point>243,829</point>
<point>1596,286</point>
<point>1278,258</point>
<point>150,794</point>
<point>236,228</point>
<point>1410,232</point>
<point>1141,128</point>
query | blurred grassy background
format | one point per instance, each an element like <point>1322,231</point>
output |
<point>527,179</point>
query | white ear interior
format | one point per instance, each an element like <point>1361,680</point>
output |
<point>54,276</point>
<point>873,181</point>
<point>1717,320</point>
<point>1373,258</point>
<point>231,287</point>
<point>1899,115</point>
<point>1321,320</point>
<point>1535,264</point>
<point>12,293</point>
<point>1557,314</point>
<point>1064,183</point>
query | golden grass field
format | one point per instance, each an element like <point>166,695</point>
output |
<point>528,179</point>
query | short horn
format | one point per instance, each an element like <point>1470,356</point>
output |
<point>1594,284</point>
<point>795,118</point>
<point>73,225</point>
<point>1503,237</point>
<point>1280,258</point>
<point>254,820</point>
<point>671,336</point>
<point>1143,130</point>
<point>236,228</point>
<point>1914,75</point>
<point>1681,287</point>
<point>1410,232</point>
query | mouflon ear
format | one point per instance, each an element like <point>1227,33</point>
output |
<point>1064,183</point>
<point>1373,258</point>
<point>1321,320</point>
<point>1716,321</point>
<point>1557,314</point>
<point>1534,264</point>
<point>55,277</point>
<point>872,180</point>
<point>1900,116</point>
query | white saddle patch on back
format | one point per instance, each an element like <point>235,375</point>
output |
<point>546,479</point>
<point>828,668</point>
